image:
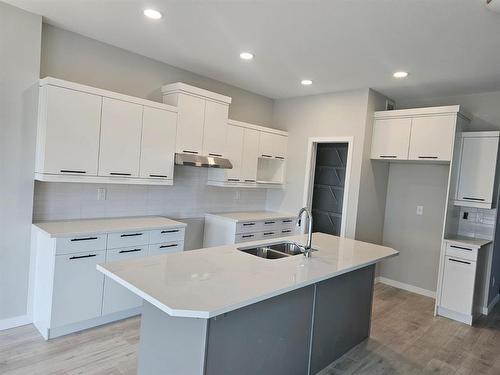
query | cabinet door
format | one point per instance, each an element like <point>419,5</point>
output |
<point>120,148</point>
<point>250,155</point>
<point>391,139</point>
<point>477,169</point>
<point>458,285</point>
<point>214,130</point>
<point>72,124</point>
<point>281,147</point>
<point>117,297</point>
<point>158,143</point>
<point>78,288</point>
<point>234,151</point>
<point>191,118</point>
<point>267,146</point>
<point>432,138</point>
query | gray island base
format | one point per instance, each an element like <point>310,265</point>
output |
<point>299,332</point>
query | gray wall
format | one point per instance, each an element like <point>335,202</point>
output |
<point>74,57</point>
<point>20,64</point>
<point>417,238</point>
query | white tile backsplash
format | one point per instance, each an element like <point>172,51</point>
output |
<point>480,222</point>
<point>188,197</point>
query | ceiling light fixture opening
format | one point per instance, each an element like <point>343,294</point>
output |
<point>400,75</point>
<point>246,56</point>
<point>153,14</point>
<point>306,82</point>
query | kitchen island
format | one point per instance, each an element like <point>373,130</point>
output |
<point>223,311</point>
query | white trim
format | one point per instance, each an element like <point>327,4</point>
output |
<point>309,178</point>
<point>50,81</point>
<point>417,112</point>
<point>487,310</point>
<point>450,314</point>
<point>261,128</point>
<point>14,322</point>
<point>183,88</point>
<point>47,177</point>
<point>404,286</point>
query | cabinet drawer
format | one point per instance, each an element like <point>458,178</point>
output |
<point>248,226</point>
<point>271,234</point>
<point>166,235</point>
<point>127,239</point>
<point>458,285</point>
<point>271,224</point>
<point>461,251</point>
<point>165,248</point>
<point>245,237</point>
<point>78,244</point>
<point>78,288</point>
<point>287,223</point>
<point>287,232</point>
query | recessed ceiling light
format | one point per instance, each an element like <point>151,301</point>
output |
<point>246,56</point>
<point>153,14</point>
<point>306,82</point>
<point>400,75</point>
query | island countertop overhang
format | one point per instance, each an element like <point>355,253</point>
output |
<point>208,282</point>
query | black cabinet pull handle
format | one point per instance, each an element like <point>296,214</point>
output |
<point>83,256</point>
<point>120,174</point>
<point>83,239</point>
<point>427,157</point>
<point>269,222</point>
<point>268,233</point>
<point>458,261</point>
<point>286,231</point>
<point>233,179</point>
<point>287,221</point>
<point>474,199</point>
<point>266,156</point>
<point>388,156</point>
<point>247,236</point>
<point>169,231</point>
<point>248,224</point>
<point>164,246</point>
<point>71,171</point>
<point>218,155</point>
<point>280,157</point>
<point>131,235</point>
<point>190,152</point>
<point>460,247</point>
<point>129,251</point>
<point>158,175</point>
<point>249,180</point>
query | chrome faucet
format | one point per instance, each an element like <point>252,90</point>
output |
<point>307,246</point>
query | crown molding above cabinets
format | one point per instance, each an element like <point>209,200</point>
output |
<point>92,135</point>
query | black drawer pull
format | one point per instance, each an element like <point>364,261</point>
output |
<point>458,261</point>
<point>169,231</point>
<point>269,222</point>
<point>218,155</point>
<point>83,239</point>
<point>190,152</point>
<point>474,199</point>
<point>286,231</point>
<point>165,246</point>
<point>120,174</point>
<point>71,171</point>
<point>247,236</point>
<point>287,221</point>
<point>427,157</point>
<point>268,233</point>
<point>280,157</point>
<point>131,235</point>
<point>249,180</point>
<point>233,179</point>
<point>388,156</point>
<point>129,251</point>
<point>83,256</point>
<point>158,175</point>
<point>266,156</point>
<point>248,224</point>
<point>460,247</point>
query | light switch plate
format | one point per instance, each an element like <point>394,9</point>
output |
<point>101,194</point>
<point>420,210</point>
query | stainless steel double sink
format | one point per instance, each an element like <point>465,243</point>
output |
<point>274,251</point>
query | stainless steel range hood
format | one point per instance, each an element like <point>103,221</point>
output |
<point>202,161</point>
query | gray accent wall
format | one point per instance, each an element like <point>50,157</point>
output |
<point>20,64</point>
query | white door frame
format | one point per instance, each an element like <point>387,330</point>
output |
<point>312,144</point>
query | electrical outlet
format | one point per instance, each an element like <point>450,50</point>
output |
<point>420,210</point>
<point>237,195</point>
<point>101,194</point>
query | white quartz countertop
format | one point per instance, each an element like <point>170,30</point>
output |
<point>252,215</point>
<point>209,282</point>
<point>70,228</point>
<point>468,241</point>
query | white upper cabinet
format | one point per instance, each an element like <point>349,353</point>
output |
<point>120,148</point>
<point>158,143</point>
<point>432,138</point>
<point>190,124</point>
<point>272,145</point>
<point>250,155</point>
<point>214,130</point>
<point>234,152</point>
<point>391,138</point>
<point>68,132</point>
<point>476,176</point>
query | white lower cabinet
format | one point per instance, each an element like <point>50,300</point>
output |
<point>165,248</point>
<point>77,287</point>
<point>116,297</point>
<point>458,285</point>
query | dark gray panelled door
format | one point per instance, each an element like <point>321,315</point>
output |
<point>328,192</point>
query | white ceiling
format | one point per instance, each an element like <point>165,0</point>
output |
<point>448,46</point>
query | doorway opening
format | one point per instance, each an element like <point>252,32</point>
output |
<point>327,181</point>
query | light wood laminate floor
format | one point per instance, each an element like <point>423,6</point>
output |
<point>405,339</point>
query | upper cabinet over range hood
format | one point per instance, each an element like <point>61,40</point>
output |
<point>201,125</point>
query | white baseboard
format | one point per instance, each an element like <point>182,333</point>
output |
<point>408,287</point>
<point>487,310</point>
<point>16,321</point>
